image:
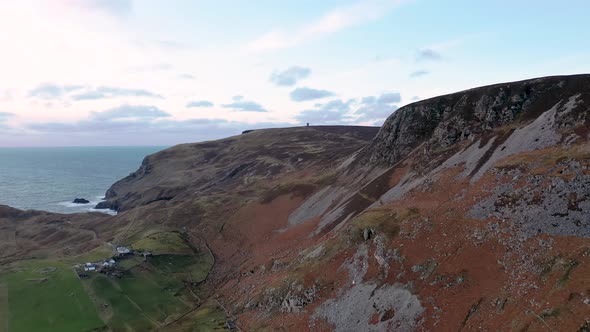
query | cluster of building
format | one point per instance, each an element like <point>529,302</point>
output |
<point>105,265</point>
<point>90,267</point>
<point>108,266</point>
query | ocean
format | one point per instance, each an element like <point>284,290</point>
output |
<point>50,178</point>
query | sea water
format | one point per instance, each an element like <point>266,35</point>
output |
<point>50,178</point>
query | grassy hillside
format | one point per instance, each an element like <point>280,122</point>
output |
<point>45,296</point>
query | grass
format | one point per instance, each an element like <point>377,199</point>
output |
<point>294,189</point>
<point>51,301</point>
<point>550,313</point>
<point>545,157</point>
<point>136,302</point>
<point>297,188</point>
<point>163,242</point>
<point>207,318</point>
<point>383,221</point>
<point>129,262</point>
<point>194,266</point>
<point>562,281</point>
<point>3,308</point>
<point>97,254</point>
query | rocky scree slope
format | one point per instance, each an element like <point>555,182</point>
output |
<point>460,203</point>
<point>466,211</point>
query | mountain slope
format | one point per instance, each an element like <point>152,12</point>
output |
<point>465,211</point>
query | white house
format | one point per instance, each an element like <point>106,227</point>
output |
<point>109,262</point>
<point>123,250</point>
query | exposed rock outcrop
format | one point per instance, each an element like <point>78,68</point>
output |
<point>80,201</point>
<point>443,121</point>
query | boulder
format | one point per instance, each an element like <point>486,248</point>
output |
<point>80,201</point>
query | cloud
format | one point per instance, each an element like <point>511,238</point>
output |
<point>290,76</point>
<point>332,22</point>
<point>6,95</point>
<point>305,94</point>
<point>376,109</point>
<point>389,97</point>
<point>373,109</point>
<point>415,98</point>
<point>112,7</point>
<point>129,112</point>
<point>104,92</point>
<point>333,112</point>
<point>133,125</point>
<point>121,119</point>
<point>428,54</point>
<point>151,67</point>
<point>186,77</point>
<point>5,116</point>
<point>241,105</point>
<point>199,103</point>
<point>419,73</point>
<point>52,91</point>
<point>170,44</point>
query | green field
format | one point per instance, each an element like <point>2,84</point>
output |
<point>102,252</point>
<point>129,262</point>
<point>163,242</point>
<point>191,267</point>
<point>140,301</point>
<point>3,308</point>
<point>209,317</point>
<point>45,296</point>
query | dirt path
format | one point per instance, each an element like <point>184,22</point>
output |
<point>3,308</point>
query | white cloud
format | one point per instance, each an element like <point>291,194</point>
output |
<point>112,7</point>
<point>289,76</point>
<point>332,22</point>
<point>5,116</point>
<point>241,105</point>
<point>305,94</point>
<point>199,103</point>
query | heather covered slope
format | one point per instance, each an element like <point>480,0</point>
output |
<point>220,165</point>
<point>466,211</point>
<point>459,203</point>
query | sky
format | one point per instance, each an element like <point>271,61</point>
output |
<point>155,72</point>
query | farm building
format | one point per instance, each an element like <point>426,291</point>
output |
<point>89,267</point>
<point>109,262</point>
<point>123,250</point>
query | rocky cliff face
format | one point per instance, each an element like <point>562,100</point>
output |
<point>466,211</point>
<point>441,122</point>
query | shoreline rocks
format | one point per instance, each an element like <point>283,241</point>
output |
<point>80,201</point>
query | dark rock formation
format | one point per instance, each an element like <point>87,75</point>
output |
<point>106,206</point>
<point>443,121</point>
<point>80,201</point>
